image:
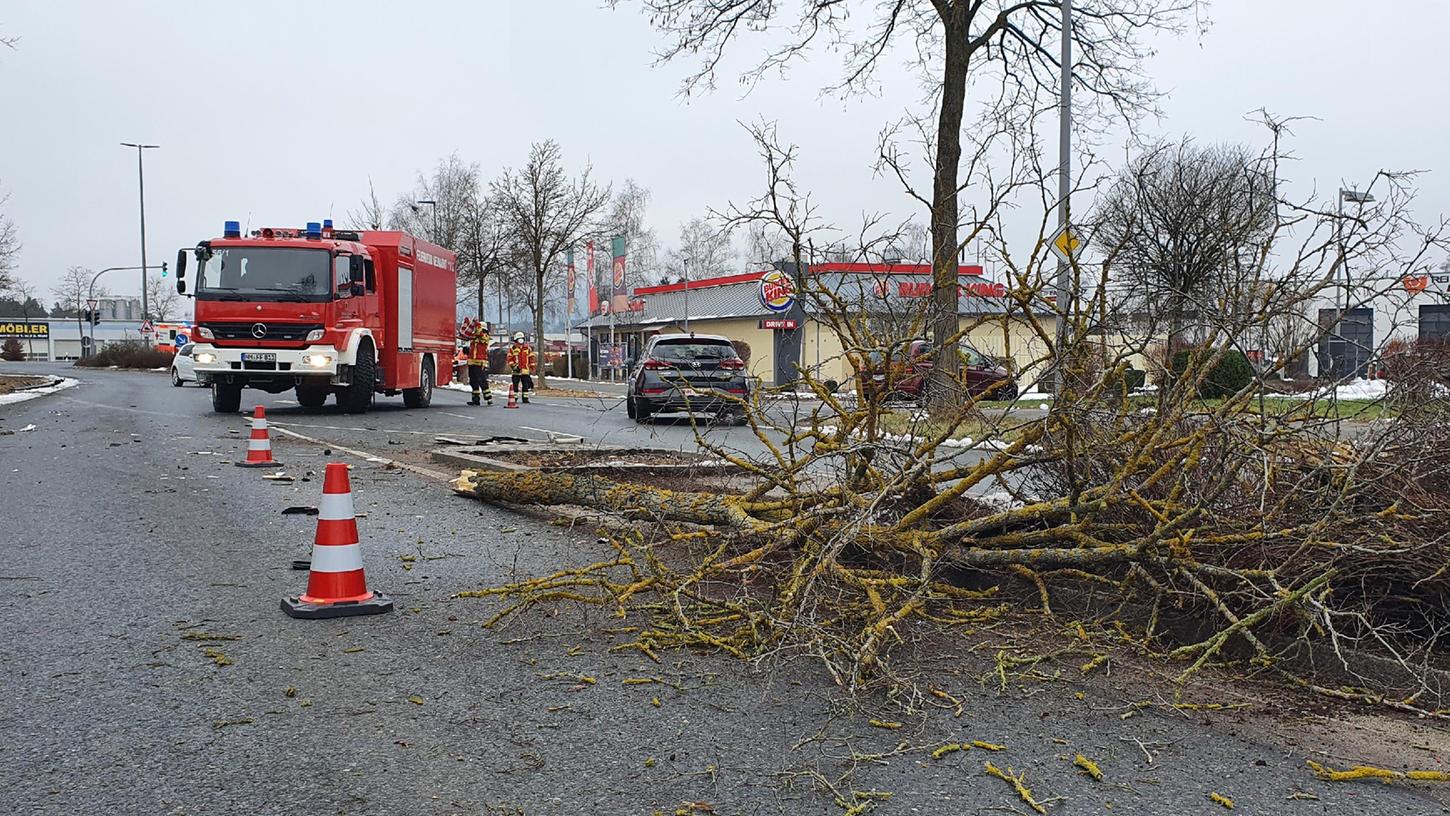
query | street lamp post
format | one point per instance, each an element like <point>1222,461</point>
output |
<point>687,294</point>
<point>1064,190</point>
<point>141,188</point>
<point>1353,197</point>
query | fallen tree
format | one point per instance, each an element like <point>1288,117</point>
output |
<point>1238,529</point>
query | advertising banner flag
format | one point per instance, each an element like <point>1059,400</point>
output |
<point>593,281</point>
<point>619,296</point>
<point>571,283</point>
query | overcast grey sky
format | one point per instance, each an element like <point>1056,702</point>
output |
<point>279,112</point>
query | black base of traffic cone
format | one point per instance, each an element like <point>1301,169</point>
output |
<point>271,464</point>
<point>296,608</point>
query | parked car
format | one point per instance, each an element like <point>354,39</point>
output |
<point>183,367</point>
<point>700,373</point>
<point>910,368</point>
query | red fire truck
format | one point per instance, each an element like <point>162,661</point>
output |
<point>322,311</point>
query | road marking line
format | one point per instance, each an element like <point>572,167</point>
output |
<point>551,433</point>
<point>421,471</point>
<point>460,416</point>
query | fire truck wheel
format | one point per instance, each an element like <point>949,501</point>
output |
<point>226,399</point>
<point>358,397</point>
<point>311,397</point>
<point>421,396</point>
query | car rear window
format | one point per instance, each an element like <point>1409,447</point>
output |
<point>693,350</point>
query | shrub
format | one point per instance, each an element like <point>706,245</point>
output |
<point>12,350</point>
<point>559,366</point>
<point>127,354</point>
<point>1229,375</point>
<point>1418,370</point>
<point>743,349</point>
<point>1135,378</point>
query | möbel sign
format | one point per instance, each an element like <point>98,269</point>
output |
<point>26,329</point>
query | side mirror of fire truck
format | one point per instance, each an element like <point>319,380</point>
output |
<point>181,271</point>
<point>357,274</point>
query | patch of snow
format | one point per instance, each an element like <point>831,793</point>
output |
<point>33,393</point>
<point>1352,390</point>
<point>1033,395</point>
<point>1044,407</point>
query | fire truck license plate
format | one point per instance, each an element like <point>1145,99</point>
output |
<point>259,357</point>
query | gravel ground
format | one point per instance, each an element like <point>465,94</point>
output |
<point>124,550</point>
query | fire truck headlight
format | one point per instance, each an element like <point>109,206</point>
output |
<point>317,360</point>
<point>314,335</point>
<point>204,333</point>
<point>204,358</point>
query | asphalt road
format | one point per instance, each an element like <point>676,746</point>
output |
<point>145,667</point>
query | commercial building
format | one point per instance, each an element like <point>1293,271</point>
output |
<point>782,331</point>
<point>57,338</point>
<point>1381,310</point>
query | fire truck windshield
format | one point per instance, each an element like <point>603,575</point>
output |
<point>265,273</point>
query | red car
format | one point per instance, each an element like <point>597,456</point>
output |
<point>909,371</point>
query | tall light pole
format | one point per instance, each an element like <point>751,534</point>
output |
<point>1353,197</point>
<point>686,264</point>
<point>1064,187</point>
<point>141,188</point>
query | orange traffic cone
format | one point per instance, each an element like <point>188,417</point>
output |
<point>513,401</point>
<point>336,585</point>
<point>259,447</point>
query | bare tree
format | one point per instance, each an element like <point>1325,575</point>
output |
<point>764,245</point>
<point>454,187</point>
<point>705,250</point>
<point>71,291</point>
<point>162,297</point>
<point>1184,222</point>
<point>1009,44</point>
<point>546,213</point>
<point>370,214</point>
<point>24,292</point>
<point>9,249</point>
<point>627,217</point>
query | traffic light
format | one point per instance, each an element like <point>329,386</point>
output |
<point>163,269</point>
<point>94,316</point>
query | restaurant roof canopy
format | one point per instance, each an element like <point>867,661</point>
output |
<point>867,288</point>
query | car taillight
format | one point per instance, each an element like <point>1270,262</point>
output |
<point>733,363</point>
<point>655,365</point>
<point>735,389</point>
<point>651,390</point>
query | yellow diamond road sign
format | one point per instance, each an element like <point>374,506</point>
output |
<point>1066,243</point>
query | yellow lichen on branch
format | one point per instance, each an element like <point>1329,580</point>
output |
<point>1089,767</point>
<point>1384,775</point>
<point>1017,783</point>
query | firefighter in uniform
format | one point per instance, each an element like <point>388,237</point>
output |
<point>521,359</point>
<point>475,334</point>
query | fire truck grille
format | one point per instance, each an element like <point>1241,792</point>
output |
<point>289,332</point>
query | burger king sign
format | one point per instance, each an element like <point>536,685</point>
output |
<point>776,292</point>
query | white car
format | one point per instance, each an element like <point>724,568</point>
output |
<point>183,367</point>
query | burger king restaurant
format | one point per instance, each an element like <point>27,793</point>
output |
<point>775,328</point>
